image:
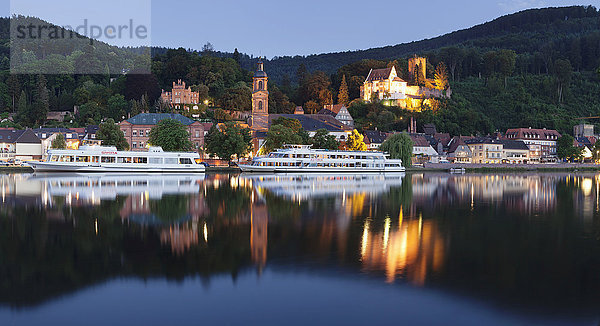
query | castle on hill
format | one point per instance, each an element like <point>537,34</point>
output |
<point>385,85</point>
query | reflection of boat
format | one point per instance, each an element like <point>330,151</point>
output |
<point>108,186</point>
<point>108,159</point>
<point>457,170</point>
<point>302,158</point>
<point>298,186</point>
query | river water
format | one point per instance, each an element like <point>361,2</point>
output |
<point>219,249</point>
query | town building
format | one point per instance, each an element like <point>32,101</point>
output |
<point>47,135</point>
<point>19,145</point>
<point>485,150</point>
<point>583,130</point>
<point>180,95</point>
<point>340,112</point>
<point>374,138</point>
<point>458,151</point>
<point>542,140</point>
<point>137,129</point>
<point>514,151</point>
<point>422,150</point>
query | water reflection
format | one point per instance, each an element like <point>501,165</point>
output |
<point>515,240</point>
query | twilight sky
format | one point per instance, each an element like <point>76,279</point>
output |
<point>280,27</point>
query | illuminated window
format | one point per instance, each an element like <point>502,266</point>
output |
<point>260,105</point>
<point>260,85</point>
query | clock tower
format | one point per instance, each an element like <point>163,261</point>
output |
<point>260,99</point>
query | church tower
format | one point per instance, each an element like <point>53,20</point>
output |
<point>260,99</point>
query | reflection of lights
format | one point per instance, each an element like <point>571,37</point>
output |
<point>386,233</point>
<point>205,229</point>
<point>586,186</point>
<point>365,239</point>
<point>96,226</point>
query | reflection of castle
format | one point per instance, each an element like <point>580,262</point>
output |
<point>410,248</point>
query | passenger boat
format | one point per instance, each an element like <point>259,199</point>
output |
<point>302,158</point>
<point>109,159</point>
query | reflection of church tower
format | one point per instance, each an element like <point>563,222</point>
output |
<point>259,221</point>
<point>260,99</point>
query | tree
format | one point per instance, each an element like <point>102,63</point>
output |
<point>171,135</point>
<point>562,71</point>
<point>441,76</point>
<point>399,146</point>
<point>111,135</point>
<point>506,63</point>
<point>228,140</point>
<point>291,123</point>
<point>59,142</point>
<point>343,93</point>
<point>23,110</point>
<point>279,135</point>
<point>355,141</point>
<point>565,148</point>
<point>41,104</point>
<point>117,106</point>
<point>322,139</point>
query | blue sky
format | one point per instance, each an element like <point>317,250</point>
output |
<point>280,27</point>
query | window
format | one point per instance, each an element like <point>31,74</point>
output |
<point>260,85</point>
<point>123,159</point>
<point>140,160</point>
<point>135,133</point>
<point>107,159</point>
<point>197,133</point>
<point>147,132</point>
<point>185,160</point>
<point>260,105</point>
<point>155,160</point>
<point>170,160</point>
<point>134,145</point>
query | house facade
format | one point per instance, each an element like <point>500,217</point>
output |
<point>543,140</point>
<point>383,83</point>
<point>137,129</point>
<point>485,150</point>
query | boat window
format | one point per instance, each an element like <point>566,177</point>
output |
<point>95,159</point>
<point>107,159</point>
<point>54,158</point>
<point>185,160</point>
<point>171,160</point>
<point>143,160</point>
<point>155,160</point>
<point>123,159</point>
<point>82,159</point>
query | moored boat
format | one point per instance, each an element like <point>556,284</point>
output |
<point>109,159</point>
<point>302,158</point>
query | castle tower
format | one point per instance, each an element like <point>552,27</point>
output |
<point>415,63</point>
<point>260,99</point>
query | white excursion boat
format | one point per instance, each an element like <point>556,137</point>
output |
<point>302,158</point>
<point>108,159</point>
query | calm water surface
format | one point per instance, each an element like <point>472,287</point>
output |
<point>427,249</point>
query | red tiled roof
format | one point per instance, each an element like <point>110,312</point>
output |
<point>529,133</point>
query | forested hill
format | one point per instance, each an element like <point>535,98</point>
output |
<point>527,31</point>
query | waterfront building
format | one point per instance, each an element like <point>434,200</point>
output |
<point>19,145</point>
<point>459,151</point>
<point>137,129</point>
<point>180,95</point>
<point>47,135</point>
<point>514,151</point>
<point>542,140</point>
<point>485,150</point>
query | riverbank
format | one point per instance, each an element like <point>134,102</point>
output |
<point>475,167</point>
